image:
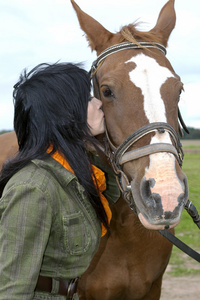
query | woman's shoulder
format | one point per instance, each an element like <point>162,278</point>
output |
<point>41,173</point>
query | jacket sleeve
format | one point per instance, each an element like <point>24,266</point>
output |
<point>25,222</point>
<point>112,192</point>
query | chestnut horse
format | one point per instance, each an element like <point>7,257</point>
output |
<point>140,93</point>
<point>8,146</point>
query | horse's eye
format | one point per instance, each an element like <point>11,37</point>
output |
<point>108,93</point>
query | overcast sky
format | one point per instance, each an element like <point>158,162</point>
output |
<point>36,31</point>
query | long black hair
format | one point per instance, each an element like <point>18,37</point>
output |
<point>51,110</point>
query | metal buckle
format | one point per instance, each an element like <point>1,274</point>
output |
<point>72,288</point>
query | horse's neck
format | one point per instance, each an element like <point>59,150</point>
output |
<point>127,224</point>
<point>122,216</point>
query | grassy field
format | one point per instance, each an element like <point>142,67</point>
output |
<point>187,231</point>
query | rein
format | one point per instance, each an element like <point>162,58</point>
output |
<point>117,156</point>
<point>192,211</point>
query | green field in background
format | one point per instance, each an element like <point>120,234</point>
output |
<point>187,230</point>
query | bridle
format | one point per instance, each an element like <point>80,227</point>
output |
<point>117,156</point>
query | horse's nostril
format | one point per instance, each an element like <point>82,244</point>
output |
<point>146,191</point>
<point>157,198</point>
<point>147,185</point>
<point>163,205</point>
<point>151,199</point>
<point>152,182</point>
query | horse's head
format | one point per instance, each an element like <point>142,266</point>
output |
<point>140,93</point>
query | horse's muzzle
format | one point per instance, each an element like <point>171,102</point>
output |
<point>159,207</point>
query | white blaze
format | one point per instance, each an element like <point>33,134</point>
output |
<point>149,76</point>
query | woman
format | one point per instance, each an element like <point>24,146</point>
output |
<point>52,209</point>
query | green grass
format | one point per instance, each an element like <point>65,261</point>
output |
<point>187,231</point>
<point>192,147</point>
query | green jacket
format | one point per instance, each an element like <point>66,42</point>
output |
<point>47,227</point>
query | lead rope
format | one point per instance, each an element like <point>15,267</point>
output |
<point>192,211</point>
<point>181,245</point>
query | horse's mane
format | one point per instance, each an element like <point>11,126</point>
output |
<point>131,34</point>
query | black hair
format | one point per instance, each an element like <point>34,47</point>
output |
<point>51,110</point>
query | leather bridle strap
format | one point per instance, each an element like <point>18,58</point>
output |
<point>124,46</point>
<point>192,211</point>
<point>182,124</point>
<point>148,150</point>
<point>120,156</point>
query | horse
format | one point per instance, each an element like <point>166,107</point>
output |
<point>140,92</point>
<point>8,146</point>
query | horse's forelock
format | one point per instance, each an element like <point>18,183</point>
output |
<point>131,34</point>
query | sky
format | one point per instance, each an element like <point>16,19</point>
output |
<point>37,31</point>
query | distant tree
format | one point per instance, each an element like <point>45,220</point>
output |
<point>194,134</point>
<point>4,131</point>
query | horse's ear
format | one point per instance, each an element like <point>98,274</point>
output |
<point>96,34</point>
<point>165,23</point>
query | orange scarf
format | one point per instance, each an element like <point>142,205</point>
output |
<point>101,182</point>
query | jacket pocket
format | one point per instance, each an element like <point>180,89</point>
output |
<point>77,237</point>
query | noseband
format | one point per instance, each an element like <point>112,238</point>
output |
<point>120,155</point>
<point>117,156</point>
